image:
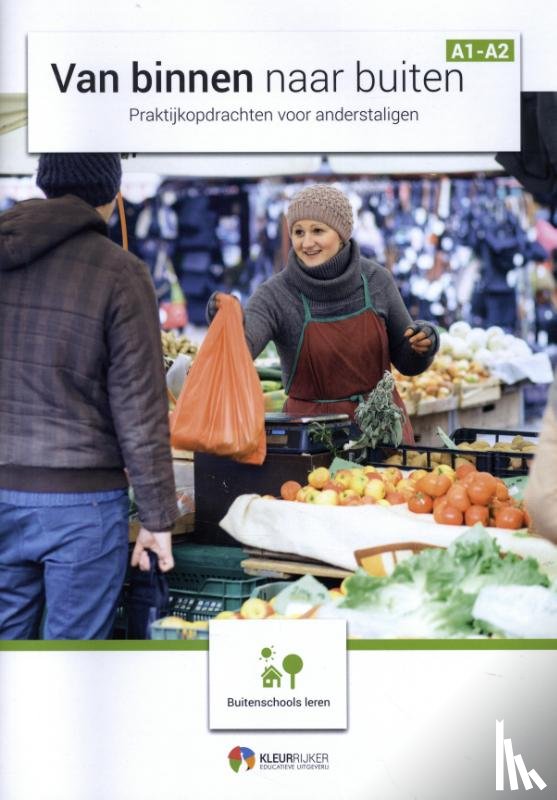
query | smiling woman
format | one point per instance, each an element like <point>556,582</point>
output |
<point>315,242</point>
<point>337,319</point>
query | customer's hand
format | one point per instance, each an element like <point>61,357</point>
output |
<point>161,545</point>
<point>420,336</point>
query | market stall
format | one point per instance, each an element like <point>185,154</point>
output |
<point>438,234</point>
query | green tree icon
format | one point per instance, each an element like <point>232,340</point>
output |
<point>292,664</point>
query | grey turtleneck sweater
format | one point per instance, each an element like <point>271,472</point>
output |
<point>275,311</point>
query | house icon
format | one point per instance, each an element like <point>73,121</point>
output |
<point>271,678</point>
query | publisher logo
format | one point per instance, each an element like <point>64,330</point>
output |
<point>515,764</point>
<point>241,759</point>
<point>272,677</point>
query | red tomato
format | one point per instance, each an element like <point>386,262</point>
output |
<point>477,514</point>
<point>464,469</point>
<point>496,504</point>
<point>468,479</point>
<point>420,503</point>
<point>438,505</point>
<point>289,490</point>
<point>448,515</point>
<point>509,517</point>
<point>457,496</point>
<point>434,484</point>
<point>501,491</point>
<point>482,488</point>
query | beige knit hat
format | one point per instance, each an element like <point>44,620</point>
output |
<point>323,203</point>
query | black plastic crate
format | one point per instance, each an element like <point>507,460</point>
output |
<point>219,481</point>
<point>504,464</point>
<point>378,456</point>
<point>498,463</point>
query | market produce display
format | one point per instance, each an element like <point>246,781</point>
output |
<point>456,370</point>
<point>485,347</point>
<point>173,345</point>
<point>469,360</point>
<point>449,593</point>
<point>518,444</point>
<point>274,395</point>
<point>271,384</point>
<point>454,497</point>
<point>469,589</point>
<point>334,533</point>
<point>293,600</point>
<point>446,377</point>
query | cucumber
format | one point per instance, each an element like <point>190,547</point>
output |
<point>271,386</point>
<point>268,374</point>
<point>274,401</point>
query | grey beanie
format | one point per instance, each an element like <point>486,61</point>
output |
<point>94,177</point>
<point>323,203</point>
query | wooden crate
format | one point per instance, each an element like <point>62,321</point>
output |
<point>436,406</point>
<point>479,394</point>
<point>507,411</point>
<point>425,427</point>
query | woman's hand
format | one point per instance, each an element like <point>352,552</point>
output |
<point>420,337</point>
<point>213,305</point>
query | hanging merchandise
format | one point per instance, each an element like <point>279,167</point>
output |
<point>221,409</point>
<point>535,166</point>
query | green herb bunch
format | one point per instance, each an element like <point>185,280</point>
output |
<point>323,435</point>
<point>378,416</point>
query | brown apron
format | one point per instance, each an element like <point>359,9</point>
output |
<point>338,361</point>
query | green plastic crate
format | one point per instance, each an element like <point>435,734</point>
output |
<point>215,595</point>
<point>203,568</point>
<point>206,579</point>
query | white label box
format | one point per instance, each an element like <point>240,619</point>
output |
<point>295,92</point>
<point>277,674</point>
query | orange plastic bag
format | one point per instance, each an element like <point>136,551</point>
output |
<point>221,409</point>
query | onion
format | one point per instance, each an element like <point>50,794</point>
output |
<point>495,330</point>
<point>445,343</point>
<point>460,329</point>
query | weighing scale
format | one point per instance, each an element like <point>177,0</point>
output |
<point>291,433</point>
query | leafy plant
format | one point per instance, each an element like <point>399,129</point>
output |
<point>324,435</point>
<point>379,417</point>
<point>434,591</point>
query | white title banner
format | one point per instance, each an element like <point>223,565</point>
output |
<point>297,92</point>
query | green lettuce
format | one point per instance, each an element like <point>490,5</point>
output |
<point>435,589</point>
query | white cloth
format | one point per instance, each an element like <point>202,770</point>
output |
<point>333,533</point>
<point>535,368</point>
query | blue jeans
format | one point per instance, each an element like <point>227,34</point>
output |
<point>63,556</point>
